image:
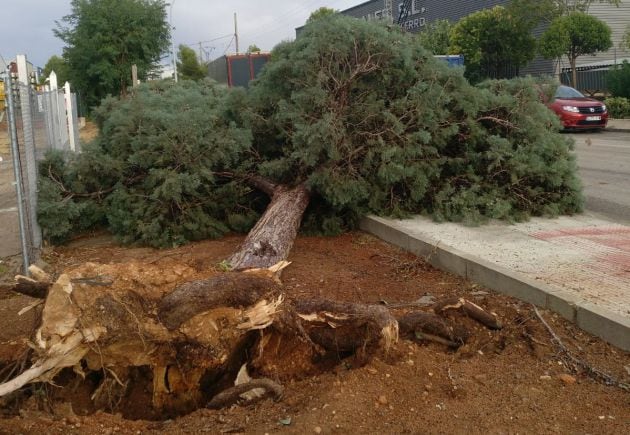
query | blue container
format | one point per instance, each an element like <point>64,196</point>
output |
<point>452,59</point>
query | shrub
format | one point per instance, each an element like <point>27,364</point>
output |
<point>618,80</point>
<point>154,173</point>
<point>618,107</point>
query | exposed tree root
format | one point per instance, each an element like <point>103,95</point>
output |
<point>345,327</point>
<point>576,364</point>
<point>233,395</point>
<point>472,310</point>
<point>230,289</point>
<point>193,339</point>
<point>429,326</point>
<point>30,287</point>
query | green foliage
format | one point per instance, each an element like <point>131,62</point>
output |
<point>618,107</point>
<point>566,7</point>
<point>156,170</point>
<point>625,39</point>
<point>65,205</point>
<point>322,12</point>
<point>253,48</point>
<point>618,80</point>
<point>436,36</point>
<point>494,43</point>
<point>359,112</point>
<point>188,66</point>
<point>534,12</point>
<point>59,66</point>
<point>575,35</point>
<point>104,38</point>
<point>372,123</point>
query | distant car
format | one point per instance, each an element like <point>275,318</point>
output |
<point>577,111</point>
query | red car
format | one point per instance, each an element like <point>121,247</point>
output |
<point>577,111</point>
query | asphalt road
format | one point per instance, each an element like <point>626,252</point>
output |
<point>604,166</point>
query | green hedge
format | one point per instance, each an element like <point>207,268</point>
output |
<point>618,107</point>
<point>618,80</point>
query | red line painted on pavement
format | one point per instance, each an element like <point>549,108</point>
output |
<point>568,232</point>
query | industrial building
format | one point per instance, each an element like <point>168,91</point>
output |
<point>422,12</point>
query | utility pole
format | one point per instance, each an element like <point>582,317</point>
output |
<point>236,32</point>
<point>170,21</point>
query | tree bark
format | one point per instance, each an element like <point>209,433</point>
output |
<point>271,239</point>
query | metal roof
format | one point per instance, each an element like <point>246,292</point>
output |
<point>602,64</point>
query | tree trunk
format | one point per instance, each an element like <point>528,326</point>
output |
<point>573,72</point>
<point>271,239</point>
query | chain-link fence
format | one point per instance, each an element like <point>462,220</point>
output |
<point>37,121</point>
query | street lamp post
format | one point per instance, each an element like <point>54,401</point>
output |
<point>170,23</point>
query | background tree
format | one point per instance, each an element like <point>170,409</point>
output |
<point>575,35</point>
<point>625,39</point>
<point>59,66</point>
<point>188,66</point>
<point>534,12</point>
<point>103,38</point>
<point>565,7</point>
<point>322,12</point>
<point>436,36</point>
<point>618,80</point>
<point>253,48</point>
<point>494,43</point>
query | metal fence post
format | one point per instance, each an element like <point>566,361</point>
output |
<point>15,152</point>
<point>75,123</point>
<point>30,169</point>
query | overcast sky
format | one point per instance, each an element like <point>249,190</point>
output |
<point>26,25</point>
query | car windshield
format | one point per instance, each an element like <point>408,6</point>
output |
<point>567,92</point>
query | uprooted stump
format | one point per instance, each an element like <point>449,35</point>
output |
<point>189,338</point>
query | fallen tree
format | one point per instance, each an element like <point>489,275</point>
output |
<point>350,118</point>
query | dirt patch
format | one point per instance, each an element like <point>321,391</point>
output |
<point>88,133</point>
<point>504,381</point>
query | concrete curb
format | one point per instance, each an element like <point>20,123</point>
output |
<point>617,129</point>
<point>609,326</point>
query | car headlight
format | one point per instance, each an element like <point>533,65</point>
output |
<point>603,107</point>
<point>571,109</point>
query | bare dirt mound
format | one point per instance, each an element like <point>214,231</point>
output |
<point>508,380</point>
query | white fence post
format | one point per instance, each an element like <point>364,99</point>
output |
<point>69,116</point>
<point>52,79</point>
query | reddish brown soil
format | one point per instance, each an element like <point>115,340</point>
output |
<point>500,382</point>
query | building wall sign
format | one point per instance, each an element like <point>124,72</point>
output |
<point>421,12</point>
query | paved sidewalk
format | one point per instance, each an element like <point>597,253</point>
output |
<point>576,266</point>
<point>618,125</point>
<point>9,233</point>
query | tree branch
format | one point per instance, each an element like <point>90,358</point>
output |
<point>262,184</point>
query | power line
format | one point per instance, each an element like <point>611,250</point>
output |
<point>228,46</point>
<point>280,21</point>
<point>211,40</point>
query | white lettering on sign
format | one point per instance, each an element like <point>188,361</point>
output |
<point>416,23</point>
<point>411,24</point>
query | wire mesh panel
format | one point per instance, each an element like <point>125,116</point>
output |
<point>39,123</point>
